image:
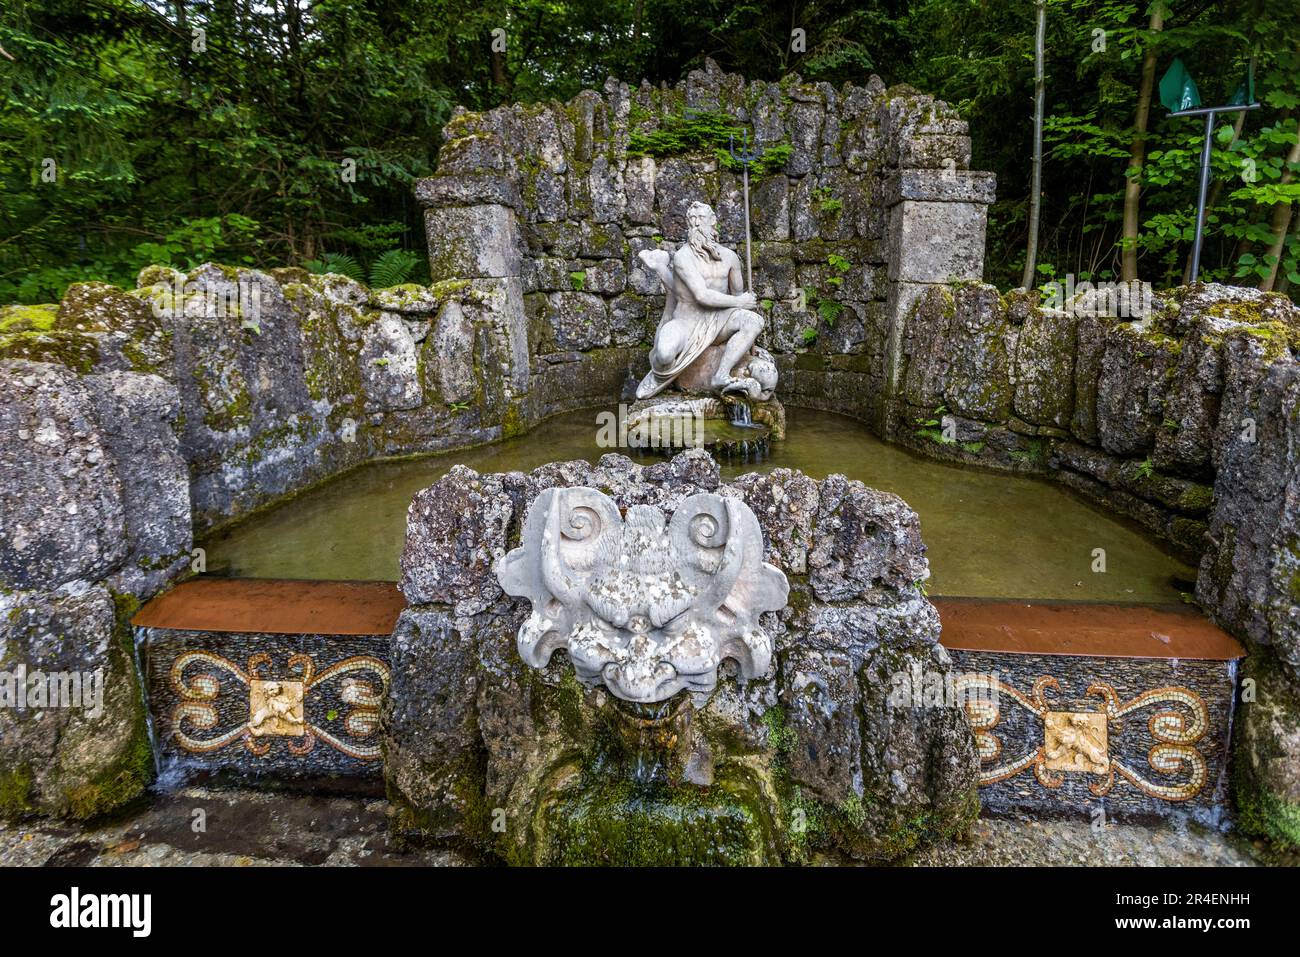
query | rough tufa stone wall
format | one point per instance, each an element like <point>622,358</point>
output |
<point>1187,421</point>
<point>814,757</point>
<point>547,205</point>
<point>326,374</point>
<point>94,518</point>
<point>131,418</point>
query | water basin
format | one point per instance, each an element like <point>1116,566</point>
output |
<point>989,535</point>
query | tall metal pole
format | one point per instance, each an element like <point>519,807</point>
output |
<point>1206,150</point>
<point>1200,201</point>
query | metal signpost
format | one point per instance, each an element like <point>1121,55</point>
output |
<point>1179,95</point>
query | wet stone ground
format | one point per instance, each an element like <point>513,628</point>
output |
<point>1012,842</point>
<point>240,828</point>
<point>244,828</point>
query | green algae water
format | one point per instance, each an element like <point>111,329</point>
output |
<point>989,535</point>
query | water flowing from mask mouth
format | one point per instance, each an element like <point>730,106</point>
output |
<point>650,737</point>
<point>649,757</point>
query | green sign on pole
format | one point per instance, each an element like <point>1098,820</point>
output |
<point>1178,90</point>
<point>1179,95</point>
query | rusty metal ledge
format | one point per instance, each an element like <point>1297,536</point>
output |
<point>250,605</point>
<point>1083,628</point>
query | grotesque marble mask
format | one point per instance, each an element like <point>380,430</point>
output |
<point>645,605</point>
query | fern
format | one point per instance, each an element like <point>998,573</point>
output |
<point>829,310</point>
<point>393,268</point>
<point>340,263</point>
<point>700,130</point>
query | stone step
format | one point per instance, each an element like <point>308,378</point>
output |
<point>1071,703</point>
<point>1079,706</point>
<point>272,679</point>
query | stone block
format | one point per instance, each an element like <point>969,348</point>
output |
<point>60,493</point>
<point>137,416</point>
<point>940,186</point>
<point>936,242</point>
<point>449,355</point>
<point>470,242</point>
<point>390,376</point>
<point>576,320</point>
<point>1044,368</point>
<point>1131,388</point>
<point>78,747</point>
<point>468,189</point>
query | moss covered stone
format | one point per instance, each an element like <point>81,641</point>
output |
<point>1267,751</point>
<point>101,307</point>
<point>1044,364</point>
<point>73,763</point>
<point>624,824</point>
<point>16,791</point>
<point>15,319</point>
<point>78,351</point>
<point>123,781</point>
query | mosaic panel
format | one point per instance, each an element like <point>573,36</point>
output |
<point>1066,733</point>
<point>291,706</point>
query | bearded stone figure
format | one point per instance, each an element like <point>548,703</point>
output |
<point>705,339</point>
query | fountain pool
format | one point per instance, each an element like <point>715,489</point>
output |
<point>989,535</point>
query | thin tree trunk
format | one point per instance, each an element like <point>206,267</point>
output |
<point>1282,213</point>
<point>1245,244</point>
<point>499,79</point>
<point>1284,283</point>
<point>1036,185</point>
<point>183,25</point>
<point>1137,153</point>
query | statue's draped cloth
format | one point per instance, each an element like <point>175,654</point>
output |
<point>706,326</point>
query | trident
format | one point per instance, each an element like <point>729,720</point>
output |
<point>744,158</point>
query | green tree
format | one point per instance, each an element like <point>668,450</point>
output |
<point>134,131</point>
